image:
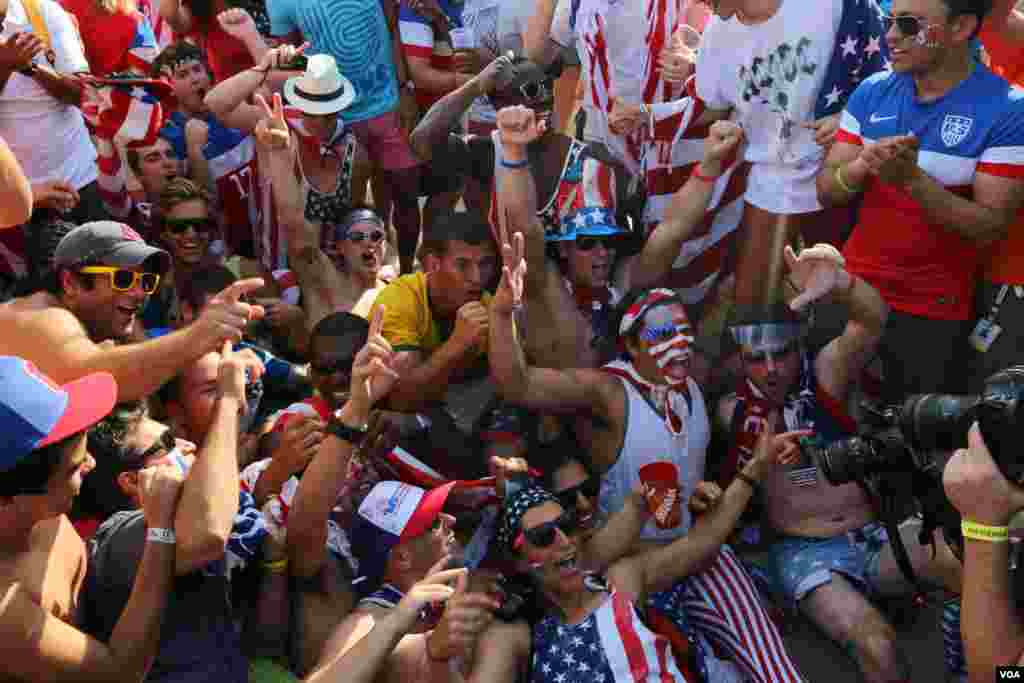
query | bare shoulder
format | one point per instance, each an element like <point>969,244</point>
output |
<point>39,314</point>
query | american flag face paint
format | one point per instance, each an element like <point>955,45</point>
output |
<point>668,336</point>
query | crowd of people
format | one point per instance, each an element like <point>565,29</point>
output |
<point>496,340</point>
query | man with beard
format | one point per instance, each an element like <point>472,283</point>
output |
<point>829,548</point>
<point>337,261</point>
<point>587,243</point>
<point>102,274</point>
<point>641,410</point>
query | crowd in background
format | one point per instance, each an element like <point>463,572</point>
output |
<point>493,340</point>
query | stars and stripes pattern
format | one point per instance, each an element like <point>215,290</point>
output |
<point>127,112</point>
<point>232,160</point>
<point>671,153</point>
<point>860,51</point>
<point>143,50</point>
<point>723,605</point>
<point>612,645</point>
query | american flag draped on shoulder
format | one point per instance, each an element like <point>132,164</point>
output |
<point>860,51</point>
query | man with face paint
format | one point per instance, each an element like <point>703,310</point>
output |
<point>587,233</point>
<point>218,530</point>
<point>935,148</point>
<point>829,548</point>
<point>639,410</point>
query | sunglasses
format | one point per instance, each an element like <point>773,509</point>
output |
<point>588,489</point>
<point>544,535</point>
<point>356,236</point>
<point>536,90</point>
<point>165,443</point>
<point>178,226</point>
<point>908,24</point>
<point>123,280</point>
<point>589,243</point>
<point>340,365</point>
<point>762,356</point>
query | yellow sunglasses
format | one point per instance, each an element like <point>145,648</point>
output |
<point>124,280</point>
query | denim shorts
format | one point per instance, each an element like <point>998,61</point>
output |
<point>798,565</point>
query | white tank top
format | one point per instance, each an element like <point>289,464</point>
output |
<point>648,440</point>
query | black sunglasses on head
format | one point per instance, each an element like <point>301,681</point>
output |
<point>908,24</point>
<point>589,488</point>
<point>543,535</point>
<point>178,226</point>
<point>164,443</point>
<point>357,236</point>
<point>536,90</point>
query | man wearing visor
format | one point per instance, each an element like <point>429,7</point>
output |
<point>829,552</point>
<point>102,274</point>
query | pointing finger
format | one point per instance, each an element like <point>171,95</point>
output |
<point>235,291</point>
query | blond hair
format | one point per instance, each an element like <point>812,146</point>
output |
<point>117,6</point>
<point>180,190</point>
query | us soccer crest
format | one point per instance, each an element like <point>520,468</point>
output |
<point>955,129</point>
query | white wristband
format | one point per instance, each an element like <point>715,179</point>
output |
<point>158,535</point>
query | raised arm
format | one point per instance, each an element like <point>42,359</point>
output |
<point>228,100</point>
<point>616,538</point>
<point>538,45</point>
<point>274,137</point>
<point>209,501</point>
<point>372,379</point>
<point>15,190</point>
<point>819,272</point>
<point>38,646</point>
<point>433,129</point>
<point>177,16</point>
<point>542,389</point>
<point>688,208</point>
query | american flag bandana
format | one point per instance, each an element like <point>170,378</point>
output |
<point>125,109</point>
<point>635,314</point>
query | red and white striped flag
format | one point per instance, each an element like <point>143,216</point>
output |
<point>126,110</point>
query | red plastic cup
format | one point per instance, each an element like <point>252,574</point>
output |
<point>663,493</point>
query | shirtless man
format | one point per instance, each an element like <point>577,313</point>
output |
<point>344,275</point>
<point>829,548</point>
<point>104,274</point>
<point>42,558</point>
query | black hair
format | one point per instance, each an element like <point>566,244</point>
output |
<point>31,475</point>
<point>345,329</point>
<point>455,226</point>
<point>978,8</point>
<point>524,71</point>
<point>204,282</point>
<point>101,496</point>
<point>41,240</point>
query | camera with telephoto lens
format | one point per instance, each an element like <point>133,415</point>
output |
<point>917,438</point>
<point>908,437</point>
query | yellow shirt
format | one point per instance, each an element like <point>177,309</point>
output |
<point>409,323</point>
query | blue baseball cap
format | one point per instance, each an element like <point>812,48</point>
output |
<point>36,412</point>
<point>392,512</point>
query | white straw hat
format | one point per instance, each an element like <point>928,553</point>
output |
<point>322,89</point>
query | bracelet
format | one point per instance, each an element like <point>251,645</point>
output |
<point>353,435</point>
<point>749,481</point>
<point>505,163</point>
<point>984,532</point>
<point>842,182</point>
<point>158,535</point>
<point>277,566</point>
<point>706,178</point>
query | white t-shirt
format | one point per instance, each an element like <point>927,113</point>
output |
<point>618,42</point>
<point>481,17</point>
<point>49,139</point>
<point>771,74</point>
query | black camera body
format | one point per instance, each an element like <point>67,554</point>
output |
<point>917,438</point>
